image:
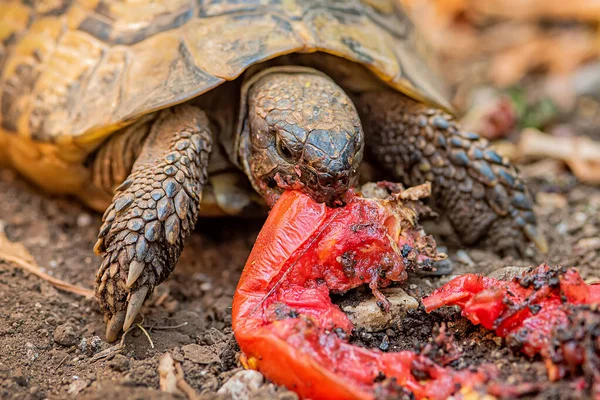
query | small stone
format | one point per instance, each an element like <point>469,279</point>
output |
<point>241,385</point>
<point>552,200</point>
<point>91,345</point>
<point>464,258</point>
<point>119,363</point>
<point>385,344</point>
<point>77,386</point>
<point>369,315</point>
<point>201,354</point>
<point>507,273</point>
<point>84,220</point>
<point>66,335</point>
<point>31,352</point>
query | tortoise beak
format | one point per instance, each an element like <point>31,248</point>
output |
<point>330,163</point>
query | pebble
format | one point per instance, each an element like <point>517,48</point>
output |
<point>551,200</point>
<point>119,363</point>
<point>77,386</point>
<point>32,353</point>
<point>90,346</point>
<point>83,220</point>
<point>66,335</point>
<point>587,244</point>
<point>507,273</point>
<point>385,343</point>
<point>369,316</point>
<point>464,258</point>
<point>241,385</point>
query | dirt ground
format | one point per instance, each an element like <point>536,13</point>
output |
<point>48,338</point>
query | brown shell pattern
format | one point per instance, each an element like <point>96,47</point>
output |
<point>72,71</point>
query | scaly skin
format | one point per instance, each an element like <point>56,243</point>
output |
<point>480,192</point>
<point>152,214</point>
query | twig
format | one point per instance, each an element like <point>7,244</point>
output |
<point>35,270</point>
<point>183,385</point>
<point>162,298</point>
<point>166,374</point>
<point>146,333</point>
<point>111,350</point>
<point>172,379</point>
<point>118,347</point>
<point>165,327</point>
<point>62,361</point>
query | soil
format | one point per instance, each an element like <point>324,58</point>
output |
<point>48,338</point>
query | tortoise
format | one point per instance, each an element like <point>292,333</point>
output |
<point>162,111</point>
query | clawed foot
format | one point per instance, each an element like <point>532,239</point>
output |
<point>152,214</point>
<point>141,238</point>
<point>480,192</point>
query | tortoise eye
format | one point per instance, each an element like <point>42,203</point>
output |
<point>284,151</point>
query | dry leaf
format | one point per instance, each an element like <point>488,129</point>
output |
<point>17,254</point>
<point>580,153</point>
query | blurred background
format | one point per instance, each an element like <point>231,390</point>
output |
<point>524,73</point>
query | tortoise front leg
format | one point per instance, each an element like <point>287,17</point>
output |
<point>481,193</point>
<point>152,213</point>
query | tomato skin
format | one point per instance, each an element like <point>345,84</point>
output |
<point>301,217</point>
<point>283,317</point>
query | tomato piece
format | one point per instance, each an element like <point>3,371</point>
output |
<point>283,317</point>
<point>532,312</point>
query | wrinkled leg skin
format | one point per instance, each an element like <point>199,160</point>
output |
<point>482,194</point>
<point>152,213</point>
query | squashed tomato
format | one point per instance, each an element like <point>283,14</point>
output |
<point>286,324</point>
<point>551,312</point>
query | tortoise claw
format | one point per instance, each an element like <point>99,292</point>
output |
<point>136,300</point>
<point>135,270</point>
<point>114,326</point>
<point>536,237</point>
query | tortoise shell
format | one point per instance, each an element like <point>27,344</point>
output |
<point>73,71</point>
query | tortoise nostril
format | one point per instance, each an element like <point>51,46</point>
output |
<point>327,181</point>
<point>271,183</point>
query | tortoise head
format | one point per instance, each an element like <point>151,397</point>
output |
<point>302,132</point>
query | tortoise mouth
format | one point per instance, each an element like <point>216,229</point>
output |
<point>322,189</point>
